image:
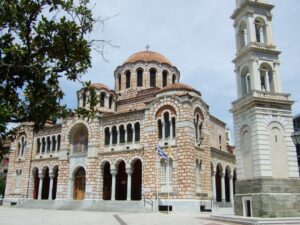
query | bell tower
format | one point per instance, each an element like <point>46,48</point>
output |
<point>268,177</point>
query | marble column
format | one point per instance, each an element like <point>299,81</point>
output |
<point>214,190</point>
<point>231,185</point>
<point>51,176</point>
<point>223,187</point>
<point>129,172</point>
<point>113,173</point>
<point>110,136</point>
<point>163,130</point>
<point>41,177</point>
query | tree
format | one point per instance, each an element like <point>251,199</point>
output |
<point>41,41</point>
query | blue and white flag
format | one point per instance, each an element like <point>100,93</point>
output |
<point>161,152</point>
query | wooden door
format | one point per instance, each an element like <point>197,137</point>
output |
<point>79,185</point>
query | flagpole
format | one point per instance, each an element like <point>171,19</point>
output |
<point>168,185</point>
<point>157,188</point>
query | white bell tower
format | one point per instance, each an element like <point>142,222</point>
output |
<point>266,156</point>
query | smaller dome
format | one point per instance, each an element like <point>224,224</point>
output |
<point>147,56</point>
<point>178,87</point>
<point>100,86</point>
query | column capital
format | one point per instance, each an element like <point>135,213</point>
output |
<point>51,175</point>
<point>222,175</point>
<point>128,171</point>
<point>213,173</point>
<point>113,172</point>
<point>41,175</point>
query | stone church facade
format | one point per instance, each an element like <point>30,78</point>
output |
<point>113,156</point>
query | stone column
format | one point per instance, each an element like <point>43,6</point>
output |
<point>133,134</point>
<point>214,190</point>
<point>171,129</point>
<point>110,136</point>
<point>267,81</point>
<point>113,173</point>
<point>41,177</point>
<point>163,130</point>
<point>129,172</point>
<point>223,186</point>
<point>118,136</point>
<point>231,185</point>
<point>51,175</point>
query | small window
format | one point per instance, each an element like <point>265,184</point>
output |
<point>110,101</point>
<point>122,133</point>
<point>152,78</point>
<point>174,79</point>
<point>102,99</point>
<point>129,133</point>
<point>120,82</point>
<point>83,99</point>
<point>107,136</point>
<point>159,129</point>
<point>137,131</point>
<point>58,142</point>
<point>53,143</point>
<point>114,135</point>
<point>139,77</point>
<point>38,146</point>
<point>165,78</point>
<point>128,79</point>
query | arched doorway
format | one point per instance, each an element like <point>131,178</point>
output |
<point>218,184</point>
<point>106,182</point>
<point>234,180</point>
<point>79,184</point>
<point>227,184</point>
<point>136,183</point>
<point>46,183</point>
<point>55,176</point>
<point>121,182</point>
<point>36,182</point>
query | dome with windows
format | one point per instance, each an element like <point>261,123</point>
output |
<point>147,56</point>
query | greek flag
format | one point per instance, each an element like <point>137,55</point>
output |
<point>161,152</point>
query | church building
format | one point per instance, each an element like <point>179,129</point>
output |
<point>113,157</point>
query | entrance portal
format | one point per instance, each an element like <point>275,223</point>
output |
<point>136,187</point>
<point>121,182</point>
<point>79,184</point>
<point>106,182</point>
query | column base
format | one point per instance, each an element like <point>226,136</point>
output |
<point>268,197</point>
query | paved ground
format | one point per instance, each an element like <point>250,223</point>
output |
<point>15,216</point>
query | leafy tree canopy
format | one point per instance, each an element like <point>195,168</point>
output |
<point>40,42</point>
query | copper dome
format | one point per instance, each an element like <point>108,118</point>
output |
<point>147,56</point>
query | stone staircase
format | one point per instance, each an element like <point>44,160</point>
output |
<point>88,205</point>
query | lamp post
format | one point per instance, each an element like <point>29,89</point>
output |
<point>296,140</point>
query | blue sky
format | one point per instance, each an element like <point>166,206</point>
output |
<point>197,36</point>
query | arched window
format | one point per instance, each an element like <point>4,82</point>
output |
<point>128,79</point>
<point>260,30</point>
<point>53,144</point>
<point>246,81</point>
<point>173,79</point>
<point>167,124</point>
<point>122,133</point>
<point>58,142</point>
<point>139,80</point>
<point>246,153</point>
<point>243,39</point>
<point>48,144</point>
<point>165,78</point>
<point>137,132</point>
<point>120,81</point>
<point>80,139</point>
<point>110,101</point>
<point>43,145</point>
<point>159,129</point>
<point>152,77</point>
<point>107,136</point>
<point>102,99</point>
<point>38,146</point>
<point>114,135</point>
<point>198,127</point>
<point>173,127</point>
<point>266,78</point>
<point>84,99</point>
<point>129,133</point>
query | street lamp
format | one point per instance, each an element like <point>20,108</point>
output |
<point>296,137</point>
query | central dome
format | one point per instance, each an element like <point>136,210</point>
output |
<point>147,56</point>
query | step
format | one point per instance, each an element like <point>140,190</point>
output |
<point>93,205</point>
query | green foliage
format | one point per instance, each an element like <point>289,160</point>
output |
<point>41,41</point>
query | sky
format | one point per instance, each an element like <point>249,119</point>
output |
<point>197,36</point>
